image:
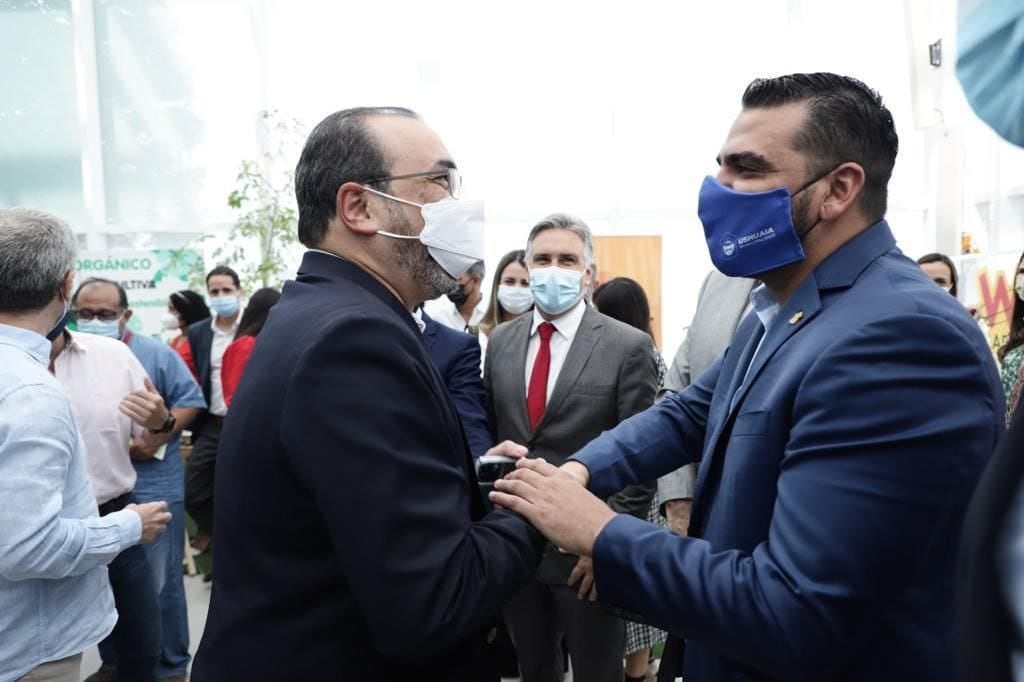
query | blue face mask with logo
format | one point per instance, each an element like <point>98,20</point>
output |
<point>225,306</point>
<point>749,233</point>
<point>991,54</point>
<point>555,289</point>
<point>111,329</point>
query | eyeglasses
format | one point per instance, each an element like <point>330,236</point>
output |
<point>449,178</point>
<point>105,315</point>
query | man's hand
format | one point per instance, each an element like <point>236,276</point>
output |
<point>146,407</point>
<point>155,518</point>
<point>509,449</point>
<point>555,502</point>
<point>577,471</point>
<point>583,572</point>
<point>143,447</point>
<point>678,514</point>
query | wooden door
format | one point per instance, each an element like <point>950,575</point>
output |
<point>638,258</point>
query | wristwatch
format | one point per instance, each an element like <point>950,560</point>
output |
<point>168,424</point>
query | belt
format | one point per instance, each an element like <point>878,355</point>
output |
<point>116,504</point>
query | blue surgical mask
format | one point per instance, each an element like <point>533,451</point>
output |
<point>225,306</point>
<point>991,55</point>
<point>111,329</point>
<point>555,289</point>
<point>749,233</point>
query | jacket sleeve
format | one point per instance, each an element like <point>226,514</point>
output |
<point>363,427</point>
<point>466,388</point>
<point>888,435</point>
<point>638,383</point>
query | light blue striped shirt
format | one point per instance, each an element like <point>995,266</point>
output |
<point>55,598</point>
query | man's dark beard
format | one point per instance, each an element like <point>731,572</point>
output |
<point>412,256</point>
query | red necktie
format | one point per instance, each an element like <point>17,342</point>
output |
<point>537,393</point>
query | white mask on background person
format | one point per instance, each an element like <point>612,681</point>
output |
<point>1018,285</point>
<point>514,299</point>
<point>169,321</point>
<point>453,231</point>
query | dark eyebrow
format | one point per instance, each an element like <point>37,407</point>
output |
<point>748,159</point>
<point>445,163</point>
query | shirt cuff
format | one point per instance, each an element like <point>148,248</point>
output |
<point>129,527</point>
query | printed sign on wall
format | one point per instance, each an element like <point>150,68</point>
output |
<point>149,278</point>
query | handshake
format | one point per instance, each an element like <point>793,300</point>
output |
<point>555,500</point>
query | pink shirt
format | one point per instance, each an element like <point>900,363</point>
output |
<point>97,374</point>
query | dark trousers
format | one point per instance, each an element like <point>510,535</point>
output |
<point>199,473</point>
<point>136,637</point>
<point>539,616</point>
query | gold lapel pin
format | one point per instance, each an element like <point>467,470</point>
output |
<point>797,316</point>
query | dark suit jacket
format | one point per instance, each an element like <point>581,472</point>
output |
<point>985,625</point>
<point>457,357</point>
<point>833,482</point>
<point>200,341</point>
<point>351,538</point>
<point>609,375</point>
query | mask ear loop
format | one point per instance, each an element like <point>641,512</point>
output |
<point>807,184</point>
<point>401,201</point>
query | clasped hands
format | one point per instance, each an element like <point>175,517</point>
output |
<point>556,501</point>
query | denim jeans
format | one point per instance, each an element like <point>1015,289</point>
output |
<point>165,557</point>
<point>135,641</point>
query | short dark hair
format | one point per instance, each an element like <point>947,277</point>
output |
<point>122,295</point>
<point>846,121</point>
<point>256,312</point>
<point>623,299</point>
<point>340,149</point>
<point>190,306</point>
<point>224,270</point>
<point>942,258</point>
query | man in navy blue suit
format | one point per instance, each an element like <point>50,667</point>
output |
<point>352,542</point>
<point>457,357</point>
<point>839,437</point>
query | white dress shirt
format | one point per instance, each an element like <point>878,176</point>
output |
<point>97,374</point>
<point>444,311</point>
<point>566,326</point>
<point>221,341</point>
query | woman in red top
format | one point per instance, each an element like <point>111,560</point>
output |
<point>237,354</point>
<point>184,308</point>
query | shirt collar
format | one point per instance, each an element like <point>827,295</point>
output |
<point>417,316</point>
<point>566,324</point>
<point>29,341</point>
<point>764,305</point>
<point>217,330</point>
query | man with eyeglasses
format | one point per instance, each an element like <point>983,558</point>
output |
<point>352,541</point>
<point>102,308</point>
<point>115,406</point>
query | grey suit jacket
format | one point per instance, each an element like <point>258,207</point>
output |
<point>720,307</point>
<point>609,374</point>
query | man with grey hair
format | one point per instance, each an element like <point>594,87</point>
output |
<point>555,380</point>
<point>55,599</point>
<point>464,308</point>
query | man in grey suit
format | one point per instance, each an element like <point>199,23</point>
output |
<point>721,304</point>
<point>555,380</point>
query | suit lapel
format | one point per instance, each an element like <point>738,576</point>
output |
<point>575,360</point>
<point>792,317</point>
<point>519,344</point>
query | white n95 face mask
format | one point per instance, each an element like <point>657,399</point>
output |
<point>453,231</point>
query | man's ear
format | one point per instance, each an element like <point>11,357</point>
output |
<point>67,286</point>
<point>353,209</point>
<point>844,191</point>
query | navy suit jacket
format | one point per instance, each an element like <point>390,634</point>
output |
<point>830,494</point>
<point>457,357</point>
<point>200,341</point>
<point>351,538</point>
